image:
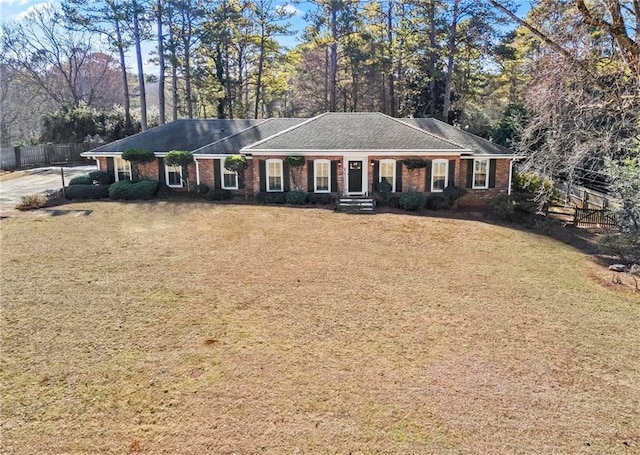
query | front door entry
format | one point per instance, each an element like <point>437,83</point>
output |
<point>355,176</point>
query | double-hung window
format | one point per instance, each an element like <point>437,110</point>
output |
<point>481,174</point>
<point>174,176</point>
<point>274,175</point>
<point>439,175</point>
<point>229,178</point>
<point>388,173</point>
<point>123,169</point>
<point>322,173</point>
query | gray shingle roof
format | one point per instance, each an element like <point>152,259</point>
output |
<point>233,144</point>
<point>479,145</point>
<point>354,131</point>
<point>182,134</point>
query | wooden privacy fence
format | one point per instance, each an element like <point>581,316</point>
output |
<point>594,218</point>
<point>20,157</point>
<point>584,198</point>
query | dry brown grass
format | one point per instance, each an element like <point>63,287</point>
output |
<point>193,328</point>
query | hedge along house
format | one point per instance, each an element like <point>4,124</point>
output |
<point>341,153</point>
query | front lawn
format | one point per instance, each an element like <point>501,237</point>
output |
<point>191,328</point>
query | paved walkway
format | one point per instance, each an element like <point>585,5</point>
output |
<point>34,181</point>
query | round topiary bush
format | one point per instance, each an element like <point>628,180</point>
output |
<point>129,191</point>
<point>411,200</point>
<point>296,197</point>
<point>101,177</point>
<point>81,180</point>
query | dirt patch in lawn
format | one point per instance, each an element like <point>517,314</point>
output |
<point>196,328</point>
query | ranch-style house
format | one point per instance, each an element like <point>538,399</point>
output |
<point>346,154</point>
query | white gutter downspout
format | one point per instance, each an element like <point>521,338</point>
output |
<point>198,172</point>
<point>510,176</point>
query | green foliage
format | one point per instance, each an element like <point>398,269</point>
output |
<point>32,202</point>
<point>129,191</point>
<point>296,197</point>
<point>236,163</point>
<point>320,198</point>
<point>202,188</point>
<point>415,163</point>
<point>102,177</point>
<point>533,185</point>
<point>75,124</point>
<point>138,156</point>
<point>412,200</point>
<point>87,191</point>
<point>625,246</point>
<point>453,193</point>
<point>512,209</point>
<point>506,133</point>
<point>270,198</point>
<point>219,194</point>
<point>394,201</point>
<point>81,180</point>
<point>295,160</point>
<point>384,188</point>
<point>437,202</point>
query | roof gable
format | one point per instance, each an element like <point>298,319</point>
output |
<point>354,132</point>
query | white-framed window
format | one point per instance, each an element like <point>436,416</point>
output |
<point>174,176</point>
<point>229,178</point>
<point>388,173</point>
<point>322,176</point>
<point>439,175</point>
<point>122,169</point>
<point>480,174</point>
<point>274,175</point>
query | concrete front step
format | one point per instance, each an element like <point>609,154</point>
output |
<point>356,205</point>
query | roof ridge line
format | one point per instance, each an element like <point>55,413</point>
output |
<point>284,131</point>
<point>466,149</point>
<point>232,135</point>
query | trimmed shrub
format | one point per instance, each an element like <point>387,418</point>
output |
<point>219,195</point>
<point>453,193</point>
<point>32,202</point>
<point>86,191</point>
<point>625,246</point>
<point>102,177</point>
<point>202,188</point>
<point>81,180</point>
<point>437,202</point>
<point>295,197</point>
<point>384,188</point>
<point>394,201</point>
<point>320,198</point>
<point>511,209</point>
<point>415,163</point>
<point>270,198</point>
<point>129,191</point>
<point>412,200</point>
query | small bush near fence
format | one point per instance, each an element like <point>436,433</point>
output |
<point>295,197</point>
<point>87,191</point>
<point>412,200</point>
<point>129,191</point>
<point>512,209</point>
<point>81,180</point>
<point>101,177</point>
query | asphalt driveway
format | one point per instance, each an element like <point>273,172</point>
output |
<point>34,181</point>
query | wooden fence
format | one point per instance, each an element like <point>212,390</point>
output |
<point>585,198</point>
<point>21,157</point>
<point>594,218</point>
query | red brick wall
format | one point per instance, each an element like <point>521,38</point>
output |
<point>149,170</point>
<point>414,179</point>
<point>253,173</point>
<point>479,198</point>
<point>206,172</point>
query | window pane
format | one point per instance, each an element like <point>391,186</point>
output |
<point>173,176</point>
<point>322,176</point>
<point>275,176</point>
<point>122,168</point>
<point>439,175</point>
<point>386,171</point>
<point>229,178</point>
<point>480,173</point>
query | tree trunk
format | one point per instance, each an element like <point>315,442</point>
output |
<point>432,58</point>
<point>333,76</point>
<point>392,94</point>
<point>260,66</point>
<point>143,94</point>
<point>161,64</point>
<point>450,61</point>
<point>125,81</point>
